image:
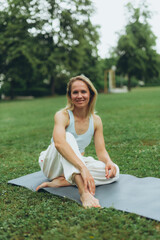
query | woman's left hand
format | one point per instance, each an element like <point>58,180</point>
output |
<point>110,169</point>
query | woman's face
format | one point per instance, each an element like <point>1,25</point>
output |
<point>80,94</point>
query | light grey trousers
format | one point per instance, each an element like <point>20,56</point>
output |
<point>53,164</point>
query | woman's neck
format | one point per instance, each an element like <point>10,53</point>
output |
<point>80,113</point>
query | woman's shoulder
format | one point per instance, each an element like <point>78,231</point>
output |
<point>61,112</point>
<point>96,118</point>
<point>62,115</point>
<point>97,121</point>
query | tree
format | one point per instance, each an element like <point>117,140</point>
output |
<point>90,60</point>
<point>135,49</point>
<point>16,64</point>
<point>72,44</point>
<point>45,40</point>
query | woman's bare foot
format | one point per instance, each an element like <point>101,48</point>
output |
<point>43,185</point>
<point>88,200</point>
<point>57,182</point>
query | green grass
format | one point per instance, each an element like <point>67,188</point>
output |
<point>131,129</point>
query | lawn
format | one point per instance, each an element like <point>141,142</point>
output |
<point>132,135</point>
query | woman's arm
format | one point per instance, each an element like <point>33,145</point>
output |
<point>101,152</point>
<point>61,121</point>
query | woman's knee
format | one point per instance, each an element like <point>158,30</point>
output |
<point>70,138</point>
<point>72,141</point>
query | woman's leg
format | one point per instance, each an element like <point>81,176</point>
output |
<point>56,182</point>
<point>52,168</point>
<point>69,169</point>
<point>50,163</point>
<point>97,170</point>
<point>87,199</point>
<point>56,168</point>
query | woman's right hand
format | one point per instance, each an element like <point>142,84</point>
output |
<point>88,180</point>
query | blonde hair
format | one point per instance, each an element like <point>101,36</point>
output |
<point>93,93</point>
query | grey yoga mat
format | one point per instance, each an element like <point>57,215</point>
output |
<point>130,194</point>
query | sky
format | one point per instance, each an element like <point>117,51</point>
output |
<point>110,15</point>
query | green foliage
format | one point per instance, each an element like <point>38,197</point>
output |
<point>120,81</point>
<point>135,48</point>
<point>131,131</point>
<point>154,82</point>
<point>53,40</point>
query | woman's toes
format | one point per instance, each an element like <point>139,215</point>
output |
<point>43,185</point>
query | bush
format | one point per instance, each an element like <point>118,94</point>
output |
<point>153,82</point>
<point>120,82</point>
<point>134,82</point>
<point>35,91</point>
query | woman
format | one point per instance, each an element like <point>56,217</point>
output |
<point>64,163</point>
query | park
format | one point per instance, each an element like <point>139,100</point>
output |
<point>131,133</point>
<point>35,67</point>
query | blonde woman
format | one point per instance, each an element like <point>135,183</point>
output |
<point>64,162</point>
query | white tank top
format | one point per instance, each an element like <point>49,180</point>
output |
<point>83,140</point>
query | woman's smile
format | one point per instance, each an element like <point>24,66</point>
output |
<point>80,94</point>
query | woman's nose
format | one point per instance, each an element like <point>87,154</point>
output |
<point>79,95</point>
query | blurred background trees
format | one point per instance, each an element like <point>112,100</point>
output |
<point>136,56</point>
<point>45,42</point>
